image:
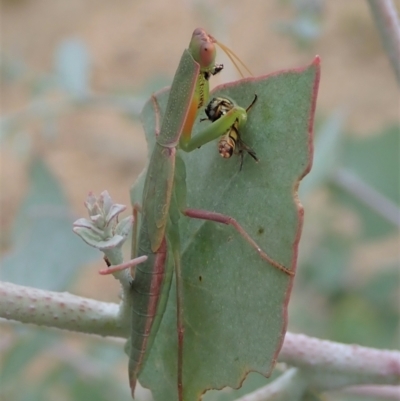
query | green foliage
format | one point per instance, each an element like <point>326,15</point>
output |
<point>234,302</point>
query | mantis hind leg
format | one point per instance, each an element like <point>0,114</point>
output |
<point>221,218</point>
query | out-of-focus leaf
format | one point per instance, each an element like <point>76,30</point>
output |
<point>376,161</point>
<point>106,355</point>
<point>93,390</point>
<point>325,271</point>
<point>84,388</point>
<point>341,396</point>
<point>69,383</point>
<point>312,395</point>
<point>234,302</point>
<point>73,66</point>
<point>367,314</point>
<point>322,281</point>
<point>17,362</point>
<point>46,253</point>
<point>353,320</point>
<point>382,292</point>
<point>385,283</point>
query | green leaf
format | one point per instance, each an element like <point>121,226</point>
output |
<point>235,304</point>
<point>47,254</point>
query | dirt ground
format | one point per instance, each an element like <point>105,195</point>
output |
<point>131,41</point>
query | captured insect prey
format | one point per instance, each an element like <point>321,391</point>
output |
<point>231,141</point>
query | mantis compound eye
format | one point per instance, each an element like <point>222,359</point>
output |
<point>203,48</point>
<point>207,54</point>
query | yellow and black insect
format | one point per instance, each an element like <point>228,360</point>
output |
<point>231,141</point>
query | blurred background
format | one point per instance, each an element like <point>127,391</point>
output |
<point>74,77</point>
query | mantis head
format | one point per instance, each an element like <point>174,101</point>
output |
<point>202,49</point>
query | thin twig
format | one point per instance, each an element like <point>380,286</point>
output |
<point>333,365</point>
<point>280,390</point>
<point>60,310</point>
<point>323,365</point>
<point>387,22</point>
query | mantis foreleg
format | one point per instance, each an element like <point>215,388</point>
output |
<point>216,129</point>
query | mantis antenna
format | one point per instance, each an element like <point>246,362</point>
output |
<point>232,56</point>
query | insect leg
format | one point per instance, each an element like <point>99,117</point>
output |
<point>130,264</point>
<point>221,218</point>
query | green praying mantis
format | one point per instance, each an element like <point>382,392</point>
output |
<point>164,202</point>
